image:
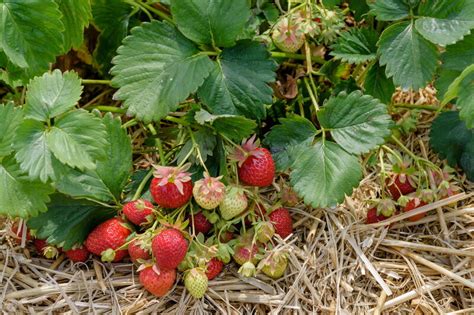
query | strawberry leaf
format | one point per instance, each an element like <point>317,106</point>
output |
<point>30,40</point>
<point>33,152</point>
<point>445,22</point>
<point>357,45</point>
<point>19,196</point>
<point>76,15</point>
<point>452,140</point>
<point>168,70</point>
<point>68,222</point>
<point>292,132</point>
<point>463,89</point>
<point>409,58</point>
<point>78,139</point>
<point>216,22</point>
<point>378,85</point>
<point>108,180</point>
<point>238,83</point>
<point>357,122</point>
<point>52,94</point>
<point>234,127</point>
<point>455,59</point>
<point>10,119</point>
<point>113,19</point>
<point>115,170</point>
<point>389,10</point>
<point>324,173</point>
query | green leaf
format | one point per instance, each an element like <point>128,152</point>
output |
<point>52,94</point>
<point>449,137</point>
<point>463,89</point>
<point>378,85</point>
<point>357,122</point>
<point>33,153</point>
<point>108,180</point>
<point>31,33</point>
<point>68,221</point>
<point>455,88</point>
<point>115,169</point>
<point>215,22</point>
<point>234,127</point>
<point>445,21</point>
<point>291,132</point>
<point>389,10</point>
<point>206,142</point>
<point>82,184</point>
<point>357,45</point>
<point>20,197</point>
<point>113,19</point>
<point>359,8</point>
<point>409,58</point>
<point>467,160</point>
<point>76,16</point>
<point>324,173</point>
<point>78,139</point>
<point>455,59</point>
<point>168,70</point>
<point>10,119</point>
<point>238,83</point>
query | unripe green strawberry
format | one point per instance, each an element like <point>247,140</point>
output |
<point>209,192</point>
<point>274,265</point>
<point>234,203</point>
<point>196,282</point>
<point>247,269</point>
<point>264,231</point>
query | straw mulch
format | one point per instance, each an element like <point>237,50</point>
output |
<point>338,265</point>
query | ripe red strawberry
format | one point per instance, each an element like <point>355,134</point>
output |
<point>110,234</point>
<point>400,185</point>
<point>413,204</point>
<point>80,254</point>
<point>139,211</point>
<point>136,251</point>
<point>157,282</point>
<point>281,220</point>
<point>214,268</point>
<point>169,248</point>
<point>373,217</point>
<point>256,166</point>
<point>172,187</point>
<point>39,245</point>
<point>201,223</point>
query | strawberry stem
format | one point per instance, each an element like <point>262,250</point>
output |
<point>142,185</point>
<point>198,151</point>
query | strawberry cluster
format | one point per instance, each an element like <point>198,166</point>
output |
<point>195,228</point>
<point>408,188</point>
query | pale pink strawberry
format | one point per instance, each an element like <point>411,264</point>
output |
<point>287,35</point>
<point>209,191</point>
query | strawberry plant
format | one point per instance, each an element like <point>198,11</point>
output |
<point>211,105</point>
